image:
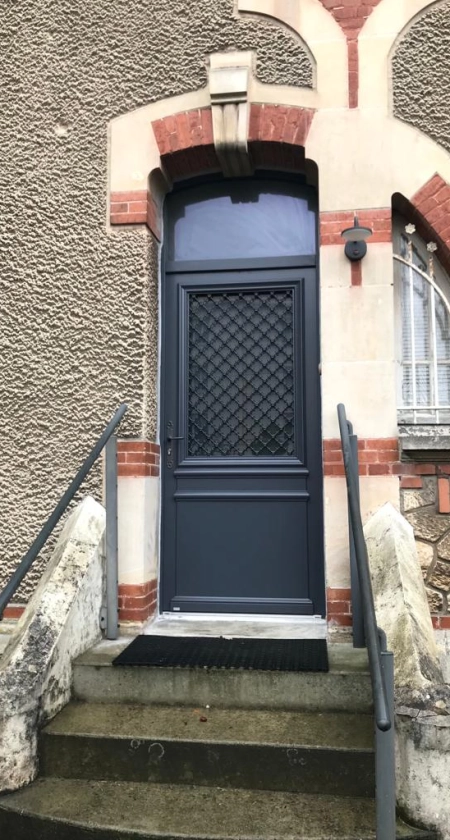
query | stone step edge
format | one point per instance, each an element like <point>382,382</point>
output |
<point>208,742</point>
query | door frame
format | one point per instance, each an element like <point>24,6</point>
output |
<point>212,266</point>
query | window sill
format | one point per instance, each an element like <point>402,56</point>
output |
<point>423,438</point>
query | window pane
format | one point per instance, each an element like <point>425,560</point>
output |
<point>442,329</point>
<point>407,393</point>
<point>444,384</point>
<point>406,314</point>
<point>421,309</point>
<point>423,385</point>
<point>241,219</point>
<point>422,318</point>
<point>241,373</point>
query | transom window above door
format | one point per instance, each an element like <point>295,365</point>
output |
<point>242,219</point>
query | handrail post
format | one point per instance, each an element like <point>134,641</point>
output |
<point>27,561</point>
<point>385,760</point>
<point>381,661</point>
<point>112,569</point>
<point>359,639</point>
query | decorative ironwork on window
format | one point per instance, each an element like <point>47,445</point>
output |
<point>241,373</point>
<point>425,335</point>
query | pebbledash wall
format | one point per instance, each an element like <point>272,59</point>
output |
<point>115,105</point>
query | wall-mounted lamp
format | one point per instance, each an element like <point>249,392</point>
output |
<point>355,240</point>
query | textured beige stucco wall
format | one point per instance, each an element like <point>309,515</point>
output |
<point>78,302</point>
<point>421,74</point>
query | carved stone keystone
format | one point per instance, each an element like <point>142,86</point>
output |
<point>229,78</point>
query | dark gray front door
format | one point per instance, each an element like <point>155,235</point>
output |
<point>241,439</point>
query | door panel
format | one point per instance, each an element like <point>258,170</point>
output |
<point>242,510</point>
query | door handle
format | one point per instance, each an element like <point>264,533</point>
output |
<point>171,437</point>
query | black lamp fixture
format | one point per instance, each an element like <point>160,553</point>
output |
<point>355,240</point>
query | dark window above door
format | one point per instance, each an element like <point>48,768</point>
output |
<point>242,219</point>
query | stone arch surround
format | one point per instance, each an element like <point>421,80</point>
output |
<point>276,137</point>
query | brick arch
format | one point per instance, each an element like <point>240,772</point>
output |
<point>276,137</point>
<point>429,210</point>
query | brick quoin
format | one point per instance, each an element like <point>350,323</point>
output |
<point>377,456</point>
<point>339,607</point>
<point>332,224</point>
<point>14,611</point>
<point>137,602</point>
<point>351,16</point>
<point>138,459</point>
<point>441,622</point>
<point>135,207</point>
<point>379,219</point>
<point>380,456</point>
<point>411,482</point>
<point>443,495</point>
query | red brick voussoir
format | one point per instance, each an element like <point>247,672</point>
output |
<point>277,135</point>
<point>432,201</point>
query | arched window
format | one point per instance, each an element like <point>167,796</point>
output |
<point>423,342</point>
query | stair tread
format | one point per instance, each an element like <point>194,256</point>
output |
<point>152,811</point>
<point>339,730</point>
<point>343,658</point>
<point>345,687</point>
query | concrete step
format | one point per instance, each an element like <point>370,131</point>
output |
<point>346,687</point>
<point>329,753</point>
<point>53,809</point>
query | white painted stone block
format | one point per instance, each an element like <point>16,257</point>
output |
<point>138,503</point>
<point>61,621</point>
<point>375,416</point>
<point>375,491</point>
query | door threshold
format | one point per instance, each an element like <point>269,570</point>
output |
<point>232,625</point>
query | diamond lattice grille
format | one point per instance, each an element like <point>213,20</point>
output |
<point>241,373</point>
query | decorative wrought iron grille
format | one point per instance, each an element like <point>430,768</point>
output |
<point>425,339</point>
<point>241,373</point>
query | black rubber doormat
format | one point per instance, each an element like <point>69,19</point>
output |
<point>211,652</point>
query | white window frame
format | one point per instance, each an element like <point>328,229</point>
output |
<point>438,280</point>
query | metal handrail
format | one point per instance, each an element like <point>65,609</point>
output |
<point>27,561</point>
<point>366,633</point>
<point>372,633</point>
